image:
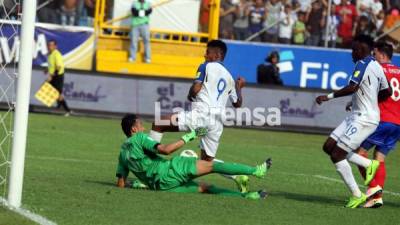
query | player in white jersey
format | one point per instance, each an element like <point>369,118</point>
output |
<point>209,93</point>
<point>367,84</point>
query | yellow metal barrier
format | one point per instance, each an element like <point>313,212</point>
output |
<point>184,49</point>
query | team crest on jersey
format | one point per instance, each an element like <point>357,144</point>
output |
<point>357,73</point>
<point>198,74</point>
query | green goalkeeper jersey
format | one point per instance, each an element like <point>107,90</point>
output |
<point>138,154</point>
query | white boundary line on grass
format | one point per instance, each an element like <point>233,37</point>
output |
<point>28,214</point>
<point>333,180</point>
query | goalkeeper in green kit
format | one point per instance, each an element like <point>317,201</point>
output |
<point>140,155</point>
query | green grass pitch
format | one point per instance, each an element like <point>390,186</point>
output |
<point>70,177</point>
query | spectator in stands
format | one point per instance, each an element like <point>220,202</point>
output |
<point>305,5</point>
<point>392,4</point>
<point>241,24</point>
<point>392,18</point>
<point>256,20</point>
<point>347,14</point>
<point>273,10</point>
<point>333,23</point>
<point>315,23</point>
<point>286,25</point>
<point>376,7</point>
<point>364,27</point>
<point>226,19</point>
<point>378,21</point>
<point>364,7</point>
<point>204,15</point>
<point>68,13</point>
<point>268,72</point>
<point>87,12</point>
<point>141,10</point>
<point>299,29</point>
<point>48,13</point>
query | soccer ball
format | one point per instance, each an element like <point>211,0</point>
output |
<point>189,153</point>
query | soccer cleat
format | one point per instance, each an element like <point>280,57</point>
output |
<point>256,195</point>
<point>262,169</point>
<point>371,171</point>
<point>354,202</point>
<point>242,182</point>
<point>371,192</point>
<point>374,203</point>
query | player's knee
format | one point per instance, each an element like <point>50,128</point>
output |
<point>205,157</point>
<point>338,155</point>
<point>329,146</point>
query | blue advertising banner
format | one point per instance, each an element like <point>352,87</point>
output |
<point>305,67</point>
<point>75,44</point>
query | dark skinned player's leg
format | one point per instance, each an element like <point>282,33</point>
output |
<point>338,157</point>
<point>157,129</point>
<point>329,145</point>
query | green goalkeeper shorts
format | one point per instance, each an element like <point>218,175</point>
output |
<point>180,171</point>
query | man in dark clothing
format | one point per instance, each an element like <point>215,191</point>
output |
<point>268,72</point>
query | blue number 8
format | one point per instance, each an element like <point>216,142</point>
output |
<point>221,87</point>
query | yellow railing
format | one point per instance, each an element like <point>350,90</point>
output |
<point>105,28</point>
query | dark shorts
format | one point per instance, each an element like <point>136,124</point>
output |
<point>58,82</point>
<point>384,138</point>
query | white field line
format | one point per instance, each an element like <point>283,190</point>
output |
<point>293,174</point>
<point>28,214</point>
<point>333,180</point>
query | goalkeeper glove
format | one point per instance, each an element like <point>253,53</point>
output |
<point>198,132</point>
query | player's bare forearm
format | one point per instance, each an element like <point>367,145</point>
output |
<point>239,101</point>
<point>348,90</point>
<point>239,84</point>
<point>384,94</point>
<point>194,89</point>
<point>167,149</point>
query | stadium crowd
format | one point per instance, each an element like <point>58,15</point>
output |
<point>300,22</point>
<point>303,22</point>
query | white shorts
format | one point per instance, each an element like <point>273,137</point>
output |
<point>190,120</point>
<point>352,132</point>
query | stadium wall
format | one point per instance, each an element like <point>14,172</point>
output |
<point>113,94</point>
<point>300,66</point>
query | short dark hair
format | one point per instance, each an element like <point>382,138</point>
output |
<point>384,48</point>
<point>365,39</point>
<point>272,55</point>
<point>52,40</point>
<point>127,122</point>
<point>218,44</point>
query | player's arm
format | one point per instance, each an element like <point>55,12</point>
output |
<point>167,149</point>
<point>121,174</point>
<point>198,82</point>
<point>384,94</point>
<point>350,89</point>
<point>239,84</point>
<point>194,89</point>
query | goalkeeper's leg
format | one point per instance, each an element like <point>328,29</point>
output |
<point>205,167</point>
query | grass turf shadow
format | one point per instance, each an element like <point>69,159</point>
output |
<point>307,198</point>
